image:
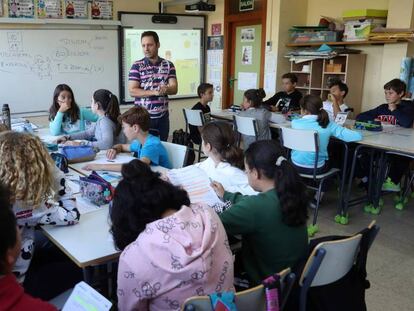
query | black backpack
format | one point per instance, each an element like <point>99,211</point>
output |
<point>182,138</point>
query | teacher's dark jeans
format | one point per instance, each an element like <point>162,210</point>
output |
<point>161,126</point>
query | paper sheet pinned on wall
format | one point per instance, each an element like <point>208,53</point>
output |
<point>246,81</point>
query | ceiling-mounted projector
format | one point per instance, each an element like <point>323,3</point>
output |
<point>200,7</point>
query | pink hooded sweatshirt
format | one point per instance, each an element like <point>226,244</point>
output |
<point>174,258</point>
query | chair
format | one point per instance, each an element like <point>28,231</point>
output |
<point>177,154</point>
<point>332,260</point>
<point>195,118</point>
<point>308,140</point>
<point>328,262</point>
<point>247,300</point>
<point>245,126</point>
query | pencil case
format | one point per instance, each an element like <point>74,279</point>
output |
<point>374,126</point>
<point>76,154</point>
<point>96,189</point>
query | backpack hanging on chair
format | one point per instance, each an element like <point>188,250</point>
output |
<point>182,138</point>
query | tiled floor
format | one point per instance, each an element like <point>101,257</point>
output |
<point>390,260</point>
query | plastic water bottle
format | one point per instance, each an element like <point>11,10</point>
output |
<point>6,116</point>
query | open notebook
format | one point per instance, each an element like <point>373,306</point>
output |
<point>85,298</point>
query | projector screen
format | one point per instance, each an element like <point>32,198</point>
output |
<point>183,47</point>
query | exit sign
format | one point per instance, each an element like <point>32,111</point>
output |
<point>246,5</point>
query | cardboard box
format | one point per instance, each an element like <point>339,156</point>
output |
<point>359,30</point>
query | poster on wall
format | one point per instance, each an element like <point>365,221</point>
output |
<point>21,8</point>
<point>215,42</point>
<point>76,8</point>
<point>246,5</point>
<point>216,29</point>
<point>102,9</point>
<point>247,35</point>
<point>49,8</point>
<point>247,55</point>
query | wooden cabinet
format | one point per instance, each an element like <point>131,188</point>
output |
<point>314,77</point>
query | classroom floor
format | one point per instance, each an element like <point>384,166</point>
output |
<point>390,260</point>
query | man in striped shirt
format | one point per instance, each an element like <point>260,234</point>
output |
<point>151,80</point>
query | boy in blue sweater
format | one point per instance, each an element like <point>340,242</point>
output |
<point>396,112</point>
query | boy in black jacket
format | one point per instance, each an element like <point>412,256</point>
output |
<point>396,112</point>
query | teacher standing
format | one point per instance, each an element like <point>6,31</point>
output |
<point>151,80</point>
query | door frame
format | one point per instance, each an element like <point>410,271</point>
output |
<point>235,20</point>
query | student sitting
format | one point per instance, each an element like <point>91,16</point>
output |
<point>12,295</point>
<point>107,130</point>
<point>224,161</point>
<point>64,115</point>
<point>315,118</point>
<point>272,223</point>
<point>253,107</point>
<point>335,103</point>
<point>38,191</point>
<point>288,99</point>
<point>396,112</point>
<point>146,147</point>
<point>206,92</point>
<point>171,250</point>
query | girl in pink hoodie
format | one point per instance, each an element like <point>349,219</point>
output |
<point>171,250</point>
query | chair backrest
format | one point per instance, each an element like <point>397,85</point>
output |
<point>330,261</point>
<point>247,300</point>
<point>246,125</point>
<point>193,117</point>
<point>177,154</point>
<point>300,140</point>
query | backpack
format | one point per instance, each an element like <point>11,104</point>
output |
<point>182,138</point>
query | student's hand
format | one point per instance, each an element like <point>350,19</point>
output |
<point>164,177</point>
<point>218,188</point>
<point>72,143</point>
<point>64,106</point>
<point>91,167</point>
<point>273,109</point>
<point>392,107</point>
<point>62,139</point>
<point>111,153</point>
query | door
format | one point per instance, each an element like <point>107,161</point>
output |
<point>246,64</point>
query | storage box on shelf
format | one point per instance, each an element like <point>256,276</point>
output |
<point>360,23</point>
<point>318,73</point>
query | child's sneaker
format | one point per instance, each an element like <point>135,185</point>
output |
<point>389,185</point>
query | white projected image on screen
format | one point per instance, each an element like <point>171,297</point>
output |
<point>182,47</point>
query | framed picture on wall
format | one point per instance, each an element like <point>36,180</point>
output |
<point>246,5</point>
<point>102,9</point>
<point>49,8</point>
<point>76,8</point>
<point>21,8</point>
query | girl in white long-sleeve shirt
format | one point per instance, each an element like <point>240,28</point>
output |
<point>225,160</point>
<point>37,190</point>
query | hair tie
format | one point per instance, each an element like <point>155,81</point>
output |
<point>279,160</point>
<point>320,109</point>
<point>110,95</point>
<point>228,146</point>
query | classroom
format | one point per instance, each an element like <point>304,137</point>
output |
<point>206,155</point>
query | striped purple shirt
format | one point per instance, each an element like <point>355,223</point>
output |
<point>150,77</point>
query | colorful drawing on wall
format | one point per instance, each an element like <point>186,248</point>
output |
<point>216,29</point>
<point>76,8</point>
<point>102,9</point>
<point>247,55</point>
<point>21,8</point>
<point>49,8</point>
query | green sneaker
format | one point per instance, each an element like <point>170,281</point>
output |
<point>388,185</point>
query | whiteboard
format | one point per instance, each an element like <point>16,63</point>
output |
<point>33,62</point>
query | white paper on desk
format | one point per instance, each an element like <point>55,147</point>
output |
<point>197,184</point>
<point>246,81</point>
<point>85,298</point>
<point>84,206</point>
<point>121,158</point>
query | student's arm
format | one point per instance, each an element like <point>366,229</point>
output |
<point>335,106</point>
<point>369,115</point>
<point>130,296</point>
<point>343,133</point>
<point>106,139</point>
<point>272,101</point>
<point>84,135</point>
<point>240,217</point>
<point>55,125</point>
<point>113,167</point>
<point>404,114</point>
<point>150,153</point>
<point>88,115</point>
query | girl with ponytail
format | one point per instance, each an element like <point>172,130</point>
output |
<point>252,107</point>
<point>107,130</point>
<point>272,223</point>
<point>225,160</point>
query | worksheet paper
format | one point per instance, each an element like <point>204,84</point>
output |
<point>197,184</point>
<point>84,298</point>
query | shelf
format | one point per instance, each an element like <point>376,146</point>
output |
<point>316,88</point>
<point>333,73</point>
<point>344,43</point>
<point>302,87</point>
<point>63,21</point>
<point>307,72</point>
